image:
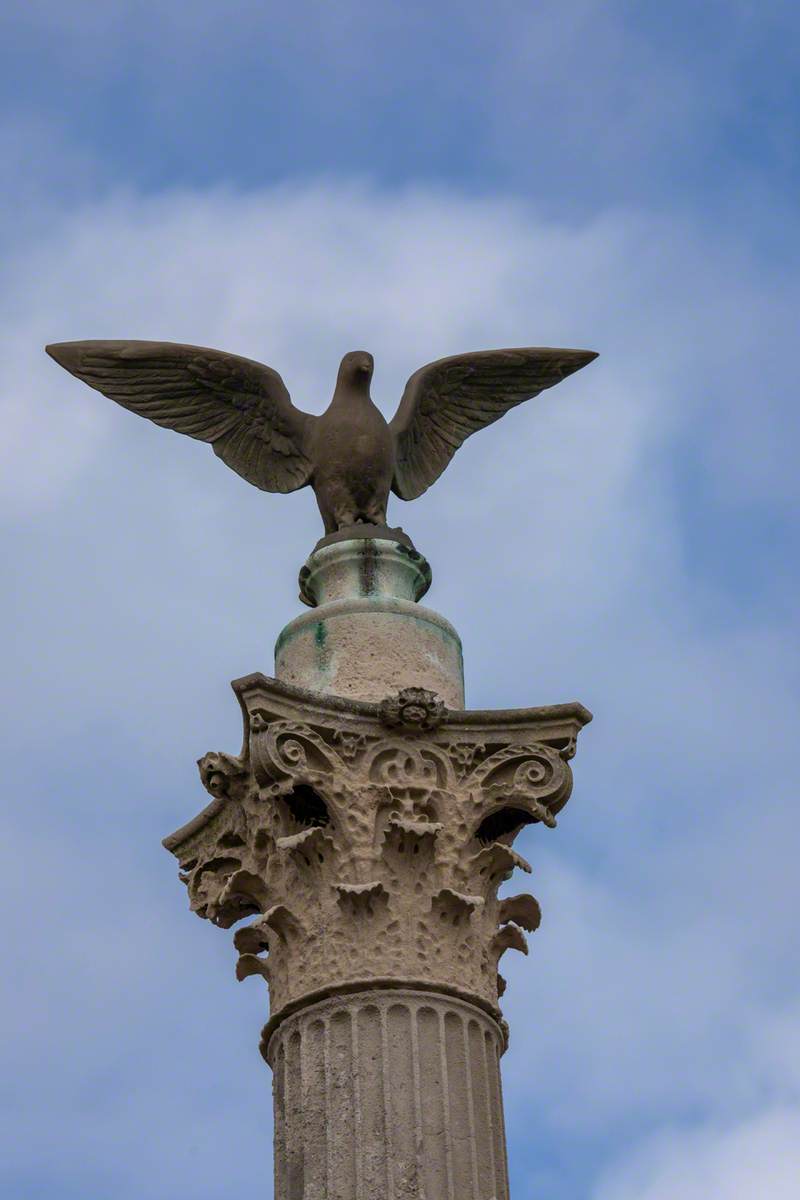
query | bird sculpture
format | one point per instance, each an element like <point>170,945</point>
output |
<point>350,455</point>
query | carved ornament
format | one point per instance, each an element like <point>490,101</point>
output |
<point>367,842</point>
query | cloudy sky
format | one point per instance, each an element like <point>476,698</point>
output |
<point>290,182</point>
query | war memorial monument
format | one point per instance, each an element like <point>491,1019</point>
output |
<point>359,838</point>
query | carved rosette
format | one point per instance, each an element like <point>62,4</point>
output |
<point>364,844</point>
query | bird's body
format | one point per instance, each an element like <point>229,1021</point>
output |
<point>349,455</point>
<point>353,452</point>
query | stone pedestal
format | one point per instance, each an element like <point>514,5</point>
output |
<point>363,836</point>
<point>367,634</point>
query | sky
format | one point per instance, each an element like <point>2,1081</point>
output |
<point>289,183</point>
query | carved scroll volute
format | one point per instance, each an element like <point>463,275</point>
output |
<point>283,748</point>
<point>535,778</point>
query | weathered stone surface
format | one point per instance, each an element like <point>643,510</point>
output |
<point>388,1095</point>
<point>364,844</point>
<point>369,841</point>
<point>358,842</point>
<point>367,635</point>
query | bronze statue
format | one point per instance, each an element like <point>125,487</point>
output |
<point>349,455</point>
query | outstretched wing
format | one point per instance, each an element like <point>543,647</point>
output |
<point>446,401</point>
<point>241,407</point>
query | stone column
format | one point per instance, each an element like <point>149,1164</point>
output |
<point>365,835</point>
<point>388,1093</point>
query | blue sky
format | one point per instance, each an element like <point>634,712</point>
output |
<point>419,180</point>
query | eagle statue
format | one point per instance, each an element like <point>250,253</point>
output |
<point>350,455</point>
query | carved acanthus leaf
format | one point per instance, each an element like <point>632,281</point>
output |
<point>523,910</point>
<point>370,841</point>
<point>510,937</point>
<point>222,774</point>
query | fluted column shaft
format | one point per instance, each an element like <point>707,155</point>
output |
<point>388,1095</point>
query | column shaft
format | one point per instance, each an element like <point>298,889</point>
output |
<point>388,1095</point>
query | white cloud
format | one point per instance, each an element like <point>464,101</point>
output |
<point>754,1159</point>
<point>562,543</point>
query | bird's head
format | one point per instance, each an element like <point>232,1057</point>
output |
<point>356,368</point>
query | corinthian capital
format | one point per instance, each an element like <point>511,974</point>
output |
<point>368,841</point>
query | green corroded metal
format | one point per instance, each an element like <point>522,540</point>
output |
<point>365,614</point>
